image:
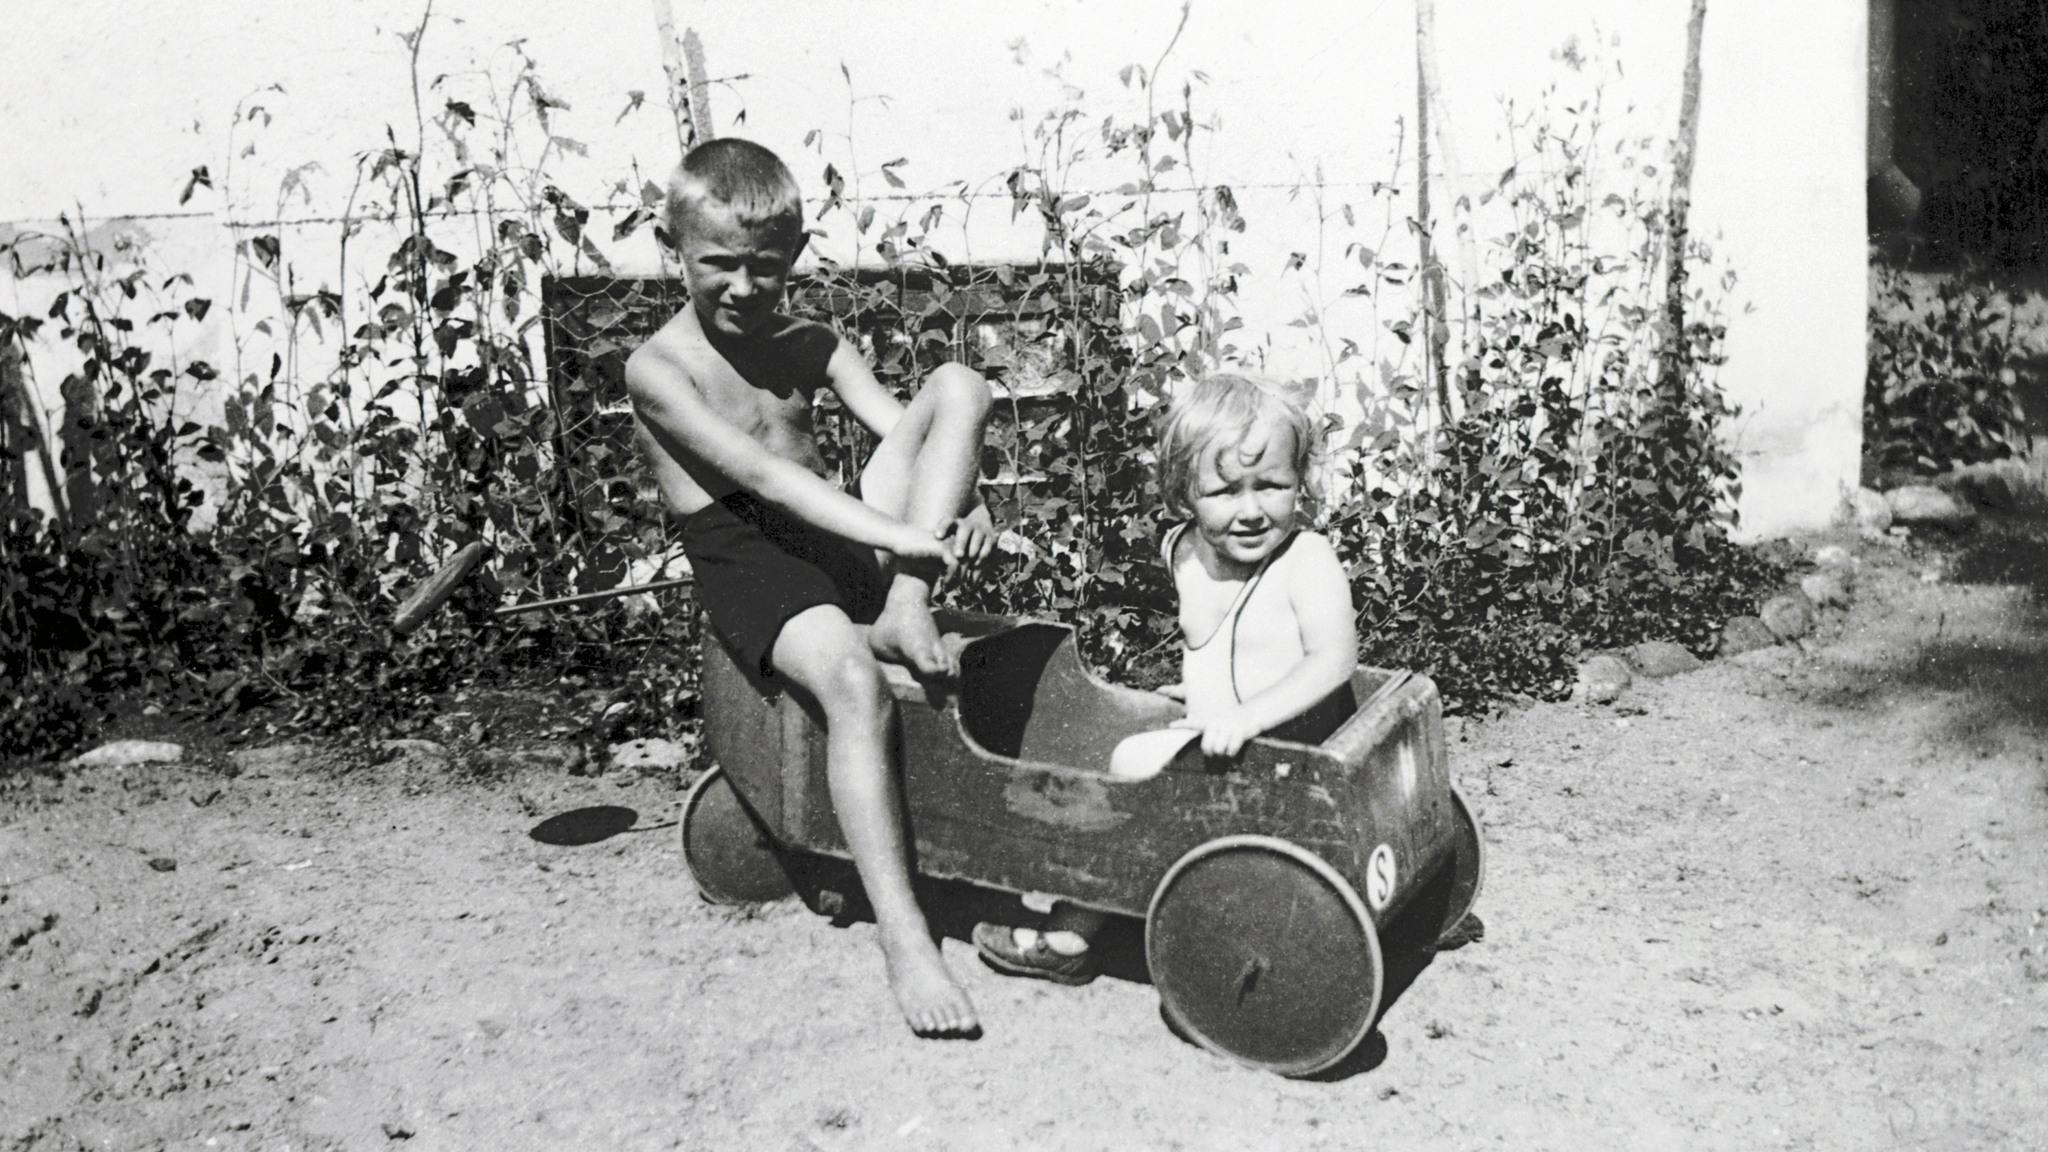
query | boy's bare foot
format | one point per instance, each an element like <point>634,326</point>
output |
<point>906,634</point>
<point>932,1003</point>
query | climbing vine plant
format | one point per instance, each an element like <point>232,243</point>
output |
<point>459,385</point>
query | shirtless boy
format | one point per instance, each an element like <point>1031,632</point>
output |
<point>804,582</point>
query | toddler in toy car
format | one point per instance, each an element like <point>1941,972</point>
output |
<point>1269,639</point>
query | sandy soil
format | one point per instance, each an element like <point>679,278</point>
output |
<point>1794,900</point>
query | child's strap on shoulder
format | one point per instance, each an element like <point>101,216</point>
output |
<point>1171,541</point>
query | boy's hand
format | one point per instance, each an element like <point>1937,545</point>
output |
<point>1225,734</point>
<point>1175,691</point>
<point>973,535</point>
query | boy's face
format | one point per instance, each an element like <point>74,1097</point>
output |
<point>736,274</point>
<point>1245,495</point>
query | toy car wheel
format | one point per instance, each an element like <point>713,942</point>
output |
<point>725,848</point>
<point>1468,865</point>
<point>1263,953</point>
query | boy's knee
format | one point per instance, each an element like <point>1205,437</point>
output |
<point>854,686</point>
<point>961,388</point>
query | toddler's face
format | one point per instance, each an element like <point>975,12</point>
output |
<point>736,274</point>
<point>1245,495</point>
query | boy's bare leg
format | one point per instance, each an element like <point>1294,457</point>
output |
<point>923,473</point>
<point>824,653</point>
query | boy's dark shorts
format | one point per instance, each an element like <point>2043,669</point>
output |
<point>755,567</point>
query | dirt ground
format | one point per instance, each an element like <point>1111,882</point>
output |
<point>1794,900</point>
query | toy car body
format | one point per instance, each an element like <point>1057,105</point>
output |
<point>1266,883</point>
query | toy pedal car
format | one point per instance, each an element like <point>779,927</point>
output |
<point>1266,883</point>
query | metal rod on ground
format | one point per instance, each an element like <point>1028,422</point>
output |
<point>435,591</point>
<point>592,597</point>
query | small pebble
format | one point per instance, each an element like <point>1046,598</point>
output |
<point>1789,615</point>
<point>1827,588</point>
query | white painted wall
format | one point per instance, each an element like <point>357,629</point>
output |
<point>1781,176</point>
<point>109,105</point>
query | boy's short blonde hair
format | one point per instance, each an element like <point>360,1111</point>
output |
<point>741,176</point>
<point>1217,412</point>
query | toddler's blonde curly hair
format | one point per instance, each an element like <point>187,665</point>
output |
<point>1218,412</point>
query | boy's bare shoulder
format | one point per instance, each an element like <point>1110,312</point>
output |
<point>789,344</point>
<point>672,348</point>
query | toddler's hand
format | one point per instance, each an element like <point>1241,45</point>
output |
<point>973,535</point>
<point>1173,692</point>
<point>1222,735</point>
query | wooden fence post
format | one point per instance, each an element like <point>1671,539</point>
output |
<point>1444,138</point>
<point>1677,355</point>
<point>17,435</point>
<point>689,97</point>
<point>1436,330</point>
<point>80,493</point>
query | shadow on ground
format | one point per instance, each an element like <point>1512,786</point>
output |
<point>593,825</point>
<point>1986,659</point>
<point>830,888</point>
<point>2006,552</point>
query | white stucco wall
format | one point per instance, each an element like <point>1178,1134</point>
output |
<point>109,105</point>
<point>1781,178</point>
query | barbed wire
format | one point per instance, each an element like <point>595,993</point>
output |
<point>629,205</point>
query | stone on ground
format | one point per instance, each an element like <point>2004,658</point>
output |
<point>128,753</point>
<point>1789,615</point>
<point>1987,490</point>
<point>1603,678</point>
<point>1835,556</point>
<point>1659,658</point>
<point>274,758</point>
<point>426,753</point>
<point>1993,483</point>
<point>1927,506</point>
<point>652,755</point>
<point>1870,510</point>
<point>1745,634</point>
<point>1827,588</point>
<point>553,757</point>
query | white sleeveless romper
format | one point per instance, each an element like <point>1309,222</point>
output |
<point>1209,668</point>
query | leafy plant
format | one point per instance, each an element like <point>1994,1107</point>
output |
<point>1582,495</point>
<point>117,593</point>
<point>1939,391</point>
<point>454,379</point>
<point>371,427</point>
